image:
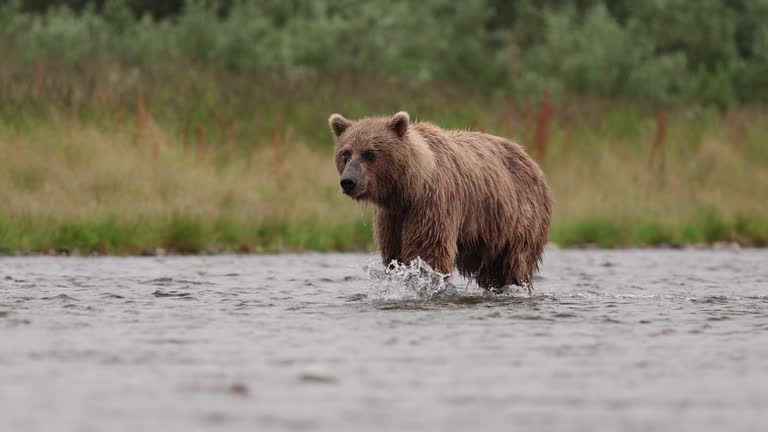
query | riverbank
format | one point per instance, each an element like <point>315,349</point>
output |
<point>213,161</point>
<point>184,236</point>
<point>77,188</point>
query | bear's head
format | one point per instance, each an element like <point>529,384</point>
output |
<point>375,157</point>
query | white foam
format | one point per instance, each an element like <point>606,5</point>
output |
<point>413,281</point>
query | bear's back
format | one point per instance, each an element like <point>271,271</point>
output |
<point>477,151</point>
<point>491,178</point>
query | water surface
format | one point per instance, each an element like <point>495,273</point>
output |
<point>613,340</point>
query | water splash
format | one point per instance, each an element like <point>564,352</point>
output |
<point>418,281</point>
<point>413,281</point>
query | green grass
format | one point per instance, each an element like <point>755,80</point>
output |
<point>181,235</point>
<point>189,236</point>
<point>707,230</point>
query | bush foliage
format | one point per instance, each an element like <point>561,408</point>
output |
<point>659,51</point>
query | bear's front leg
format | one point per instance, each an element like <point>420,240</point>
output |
<point>431,240</point>
<point>389,234</point>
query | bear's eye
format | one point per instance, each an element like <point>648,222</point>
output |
<point>345,156</point>
<point>369,156</point>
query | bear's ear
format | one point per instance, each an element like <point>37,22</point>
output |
<point>338,124</point>
<point>399,123</point>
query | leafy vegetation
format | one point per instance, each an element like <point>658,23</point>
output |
<point>657,51</point>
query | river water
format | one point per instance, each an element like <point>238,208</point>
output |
<point>611,340</point>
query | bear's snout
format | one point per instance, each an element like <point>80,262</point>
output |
<point>348,185</point>
<point>353,181</point>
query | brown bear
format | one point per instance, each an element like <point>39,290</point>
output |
<point>452,198</point>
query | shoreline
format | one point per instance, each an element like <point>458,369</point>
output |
<point>198,236</point>
<point>130,180</point>
<point>161,252</point>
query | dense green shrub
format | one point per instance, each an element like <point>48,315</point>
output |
<point>663,51</point>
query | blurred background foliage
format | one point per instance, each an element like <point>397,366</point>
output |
<point>191,126</point>
<point>657,51</point>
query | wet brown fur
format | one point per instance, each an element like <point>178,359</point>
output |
<point>453,198</point>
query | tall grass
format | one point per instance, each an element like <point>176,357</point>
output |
<point>110,159</point>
